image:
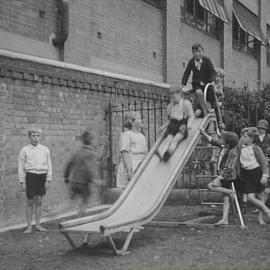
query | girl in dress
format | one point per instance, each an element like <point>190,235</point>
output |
<point>133,148</point>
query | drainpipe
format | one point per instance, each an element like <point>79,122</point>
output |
<point>62,23</point>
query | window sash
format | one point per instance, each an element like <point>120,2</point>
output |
<point>243,41</point>
<point>192,12</point>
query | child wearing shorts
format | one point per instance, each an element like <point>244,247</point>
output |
<point>180,114</point>
<point>253,169</point>
<point>81,170</point>
<point>35,173</point>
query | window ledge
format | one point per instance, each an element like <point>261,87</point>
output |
<point>199,29</point>
<point>245,53</point>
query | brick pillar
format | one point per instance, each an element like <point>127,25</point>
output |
<point>226,43</point>
<point>3,95</point>
<point>172,21</point>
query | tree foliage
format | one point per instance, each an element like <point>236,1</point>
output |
<point>243,107</point>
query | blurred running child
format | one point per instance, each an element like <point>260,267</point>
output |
<point>81,170</point>
<point>180,115</point>
<point>226,170</point>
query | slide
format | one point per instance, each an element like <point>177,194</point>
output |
<point>144,196</point>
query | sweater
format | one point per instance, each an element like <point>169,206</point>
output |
<point>82,167</point>
<point>205,75</point>
<point>227,162</point>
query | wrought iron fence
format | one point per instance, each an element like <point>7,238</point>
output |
<point>240,115</point>
<point>153,113</point>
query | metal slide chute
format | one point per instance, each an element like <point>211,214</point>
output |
<point>144,196</point>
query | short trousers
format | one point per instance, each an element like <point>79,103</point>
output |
<point>252,181</point>
<point>223,183</point>
<point>227,183</point>
<point>174,127</point>
<point>210,97</point>
<point>35,185</point>
<point>80,189</point>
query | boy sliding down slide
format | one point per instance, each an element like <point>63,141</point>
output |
<point>180,114</point>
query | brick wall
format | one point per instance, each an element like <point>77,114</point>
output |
<point>119,36</point>
<point>3,94</point>
<point>173,40</point>
<point>34,19</point>
<point>62,102</point>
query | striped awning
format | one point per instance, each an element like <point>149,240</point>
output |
<point>248,21</point>
<point>215,8</point>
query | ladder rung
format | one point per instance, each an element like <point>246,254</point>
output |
<point>206,147</point>
<point>206,161</point>
<point>210,203</point>
<point>206,176</point>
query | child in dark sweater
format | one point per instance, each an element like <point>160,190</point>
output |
<point>82,170</point>
<point>203,72</point>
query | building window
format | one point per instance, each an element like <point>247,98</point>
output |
<point>192,12</point>
<point>243,41</point>
<point>268,54</point>
<point>268,45</point>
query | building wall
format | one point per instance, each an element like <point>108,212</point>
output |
<point>265,19</point>
<point>171,40</point>
<point>28,26</point>
<point>252,5</point>
<point>244,69</point>
<point>129,41</point>
<point>145,39</point>
<point>62,101</point>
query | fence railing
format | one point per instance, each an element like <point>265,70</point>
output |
<point>154,115</point>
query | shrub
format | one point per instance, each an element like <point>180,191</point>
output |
<point>243,107</point>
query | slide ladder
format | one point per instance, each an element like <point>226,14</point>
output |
<point>144,196</point>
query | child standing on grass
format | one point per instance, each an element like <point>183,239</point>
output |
<point>81,170</point>
<point>253,169</point>
<point>181,115</point>
<point>226,170</point>
<point>35,174</point>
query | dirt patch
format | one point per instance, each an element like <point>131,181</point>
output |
<point>153,248</point>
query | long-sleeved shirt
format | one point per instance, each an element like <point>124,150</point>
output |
<point>205,74</point>
<point>34,159</point>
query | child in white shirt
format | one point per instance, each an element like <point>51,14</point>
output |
<point>180,114</point>
<point>35,173</point>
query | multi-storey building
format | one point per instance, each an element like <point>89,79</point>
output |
<point>149,39</point>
